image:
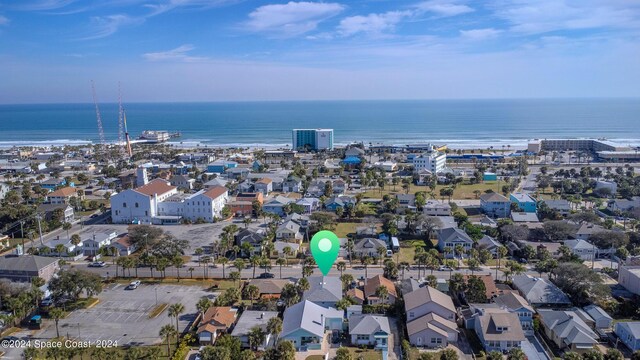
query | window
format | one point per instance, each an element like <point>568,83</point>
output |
<point>411,315</point>
<point>124,205</point>
<point>362,337</point>
<point>436,340</point>
<point>137,205</point>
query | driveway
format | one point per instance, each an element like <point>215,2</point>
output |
<point>533,349</point>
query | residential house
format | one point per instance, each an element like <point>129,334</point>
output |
<point>406,202</point>
<point>309,204</point>
<point>68,248</point>
<point>539,291</point>
<point>495,205</point>
<point>219,166</point>
<point>289,231</point>
<point>524,217</point>
<point>369,330</point>
<point>52,183</point>
<point>305,323</point>
<point>124,245</point>
<point>629,333</point>
<point>249,320</point>
<point>372,285</point>
<point>206,204</point>
<point>334,203</point>
<point>567,330</point>
<point>292,184</point>
<point>585,230</point>
<point>356,295</point>
<point>62,196</point>
<point>491,291</point>
<point>339,186</point>
<point>217,320</point>
<point>92,245</point>
<point>499,330</point>
<point>264,186</point>
<point>436,208</point>
<point>629,278</point>
<point>368,247</point>
<point>432,330</point>
<point>489,243</point>
<point>524,202</point>
<point>563,207</point>
<point>140,205</point>
<point>325,291</point>
<point>252,237</point>
<point>182,182</point>
<point>242,204</point>
<point>601,319</point>
<point>276,205</point>
<point>450,238</point>
<point>428,300</point>
<point>279,246</point>
<point>409,285</point>
<point>269,288</point>
<point>26,267</point>
<point>52,210</point>
<point>388,166</point>
<point>623,204</point>
<point>354,151</point>
<point>583,249</point>
<point>237,174</point>
<point>215,182</point>
<point>516,304</point>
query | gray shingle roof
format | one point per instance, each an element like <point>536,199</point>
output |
<point>29,263</point>
<point>539,291</point>
<point>368,324</point>
<point>323,289</point>
<point>307,316</point>
<point>568,326</point>
<point>251,318</point>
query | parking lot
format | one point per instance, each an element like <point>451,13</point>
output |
<point>123,315</point>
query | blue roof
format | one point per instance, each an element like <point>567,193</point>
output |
<point>352,160</point>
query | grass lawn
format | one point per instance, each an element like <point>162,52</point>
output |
<point>342,229</point>
<point>366,354</point>
<point>315,357</point>
<point>462,191</point>
<point>406,254</point>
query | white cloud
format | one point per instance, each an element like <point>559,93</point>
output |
<point>177,54</point>
<point>292,18</point>
<point>540,16</point>
<point>444,8</point>
<point>4,20</point>
<point>169,5</point>
<point>41,5</point>
<point>104,26</point>
<point>480,34</point>
<point>372,24</point>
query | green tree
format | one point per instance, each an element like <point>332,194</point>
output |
<point>475,290</point>
<point>613,354</point>
<point>592,355</point>
<point>256,337</point>
<point>274,327</point>
<point>167,332</point>
<point>516,354</point>
<point>216,353</point>
<point>343,354</point>
<point>251,292</point>
<point>570,355</point>
<point>494,355</point>
<point>203,305</point>
<point>448,354</point>
<point>174,312</point>
<point>223,261</point>
<point>56,314</point>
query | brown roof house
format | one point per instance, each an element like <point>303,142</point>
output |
<point>356,295</point>
<point>216,321</point>
<point>431,318</point>
<point>373,284</point>
<point>269,288</point>
<point>499,330</point>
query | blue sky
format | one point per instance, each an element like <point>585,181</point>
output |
<point>217,50</point>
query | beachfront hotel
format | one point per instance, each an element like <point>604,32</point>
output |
<point>312,139</point>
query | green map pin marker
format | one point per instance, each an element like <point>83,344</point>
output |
<point>325,246</point>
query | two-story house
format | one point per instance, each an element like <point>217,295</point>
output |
<point>495,205</point>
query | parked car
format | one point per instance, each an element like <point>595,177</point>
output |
<point>444,268</point>
<point>133,285</point>
<point>98,264</point>
<point>46,302</point>
<point>266,276</point>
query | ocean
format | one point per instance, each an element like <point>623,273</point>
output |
<point>457,123</point>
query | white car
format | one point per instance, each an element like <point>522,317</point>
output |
<point>133,285</point>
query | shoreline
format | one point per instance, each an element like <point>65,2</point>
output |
<point>455,144</point>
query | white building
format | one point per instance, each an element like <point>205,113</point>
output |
<point>140,205</point>
<point>433,161</point>
<point>206,204</point>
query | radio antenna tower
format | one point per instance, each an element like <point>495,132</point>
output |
<point>98,117</point>
<point>121,139</point>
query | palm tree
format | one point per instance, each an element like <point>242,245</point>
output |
<point>280,262</point>
<point>255,261</point>
<point>501,252</point>
<point>287,252</point>
<point>274,327</point>
<point>252,292</point>
<point>167,332</point>
<point>366,261</point>
<point>59,249</point>
<point>235,276</point>
<point>381,250</point>
<point>177,262</point>
<point>303,284</point>
<point>403,265</point>
<point>199,252</point>
<point>256,337</point>
<point>382,293</point>
<point>174,311</point>
<point>265,263</point>
<point>203,305</point>
<point>341,266</point>
<point>190,270</point>
<point>67,226</point>
<point>224,261</point>
<point>56,314</point>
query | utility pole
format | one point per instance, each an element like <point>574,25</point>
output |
<point>22,233</point>
<point>39,217</point>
